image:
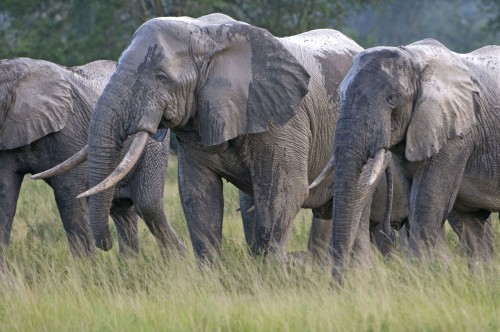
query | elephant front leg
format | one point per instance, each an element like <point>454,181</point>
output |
<point>433,194</point>
<point>248,218</point>
<point>10,185</point>
<point>203,203</point>
<point>361,253</point>
<point>74,214</point>
<point>475,232</point>
<point>277,203</point>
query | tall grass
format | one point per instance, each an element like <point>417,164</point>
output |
<point>47,289</point>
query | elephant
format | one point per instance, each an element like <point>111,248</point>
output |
<point>321,229</point>
<point>244,105</point>
<point>438,111</point>
<point>46,111</point>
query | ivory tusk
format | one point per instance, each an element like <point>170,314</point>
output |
<point>324,173</point>
<point>378,165</point>
<point>127,163</point>
<point>65,166</point>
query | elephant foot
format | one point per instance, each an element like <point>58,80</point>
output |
<point>171,250</point>
<point>298,257</point>
<point>105,243</point>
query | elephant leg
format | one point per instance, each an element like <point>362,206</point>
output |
<point>404,235</point>
<point>156,220</point>
<point>276,205</point>
<point>10,185</point>
<point>125,219</point>
<point>74,214</point>
<point>320,235</point>
<point>361,253</point>
<point>280,186</point>
<point>319,239</point>
<point>202,200</point>
<point>475,232</point>
<point>248,218</point>
<point>432,197</point>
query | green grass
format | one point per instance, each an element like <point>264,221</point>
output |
<point>46,289</point>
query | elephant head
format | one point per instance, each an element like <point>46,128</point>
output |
<point>209,79</point>
<point>413,98</point>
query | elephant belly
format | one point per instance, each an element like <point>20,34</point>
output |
<point>318,197</point>
<point>474,195</point>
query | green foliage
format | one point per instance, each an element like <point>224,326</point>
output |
<point>289,17</point>
<point>73,32</point>
<point>493,8</point>
<point>46,289</point>
<point>461,25</point>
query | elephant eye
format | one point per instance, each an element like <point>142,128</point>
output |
<point>392,99</point>
<point>162,76</point>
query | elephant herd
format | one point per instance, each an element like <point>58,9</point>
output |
<point>388,137</point>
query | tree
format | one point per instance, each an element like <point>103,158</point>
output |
<point>78,31</point>
<point>461,25</point>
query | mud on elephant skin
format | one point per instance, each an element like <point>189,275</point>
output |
<point>46,111</point>
<point>245,105</point>
<point>381,235</point>
<point>439,112</point>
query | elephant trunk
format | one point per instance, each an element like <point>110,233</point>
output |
<point>106,136</point>
<point>345,198</point>
<point>355,179</point>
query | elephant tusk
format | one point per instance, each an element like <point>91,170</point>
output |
<point>65,166</point>
<point>251,209</point>
<point>127,163</point>
<point>324,173</point>
<point>378,165</point>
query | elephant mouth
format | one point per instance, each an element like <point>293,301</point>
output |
<point>171,119</point>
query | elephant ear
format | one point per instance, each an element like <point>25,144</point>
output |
<point>252,82</point>
<point>444,109</point>
<point>40,104</point>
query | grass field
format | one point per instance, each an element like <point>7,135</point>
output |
<point>48,290</point>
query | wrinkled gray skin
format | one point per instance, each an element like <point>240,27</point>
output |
<point>321,229</point>
<point>439,112</point>
<point>245,106</point>
<point>46,111</point>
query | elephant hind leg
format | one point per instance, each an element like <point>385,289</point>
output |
<point>154,216</point>
<point>125,219</point>
<point>475,233</point>
<point>248,218</point>
<point>320,235</point>
<point>10,185</point>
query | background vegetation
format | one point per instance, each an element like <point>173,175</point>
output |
<point>47,289</point>
<point>73,32</point>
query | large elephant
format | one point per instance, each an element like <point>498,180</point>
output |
<point>46,110</point>
<point>245,105</point>
<point>439,112</point>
